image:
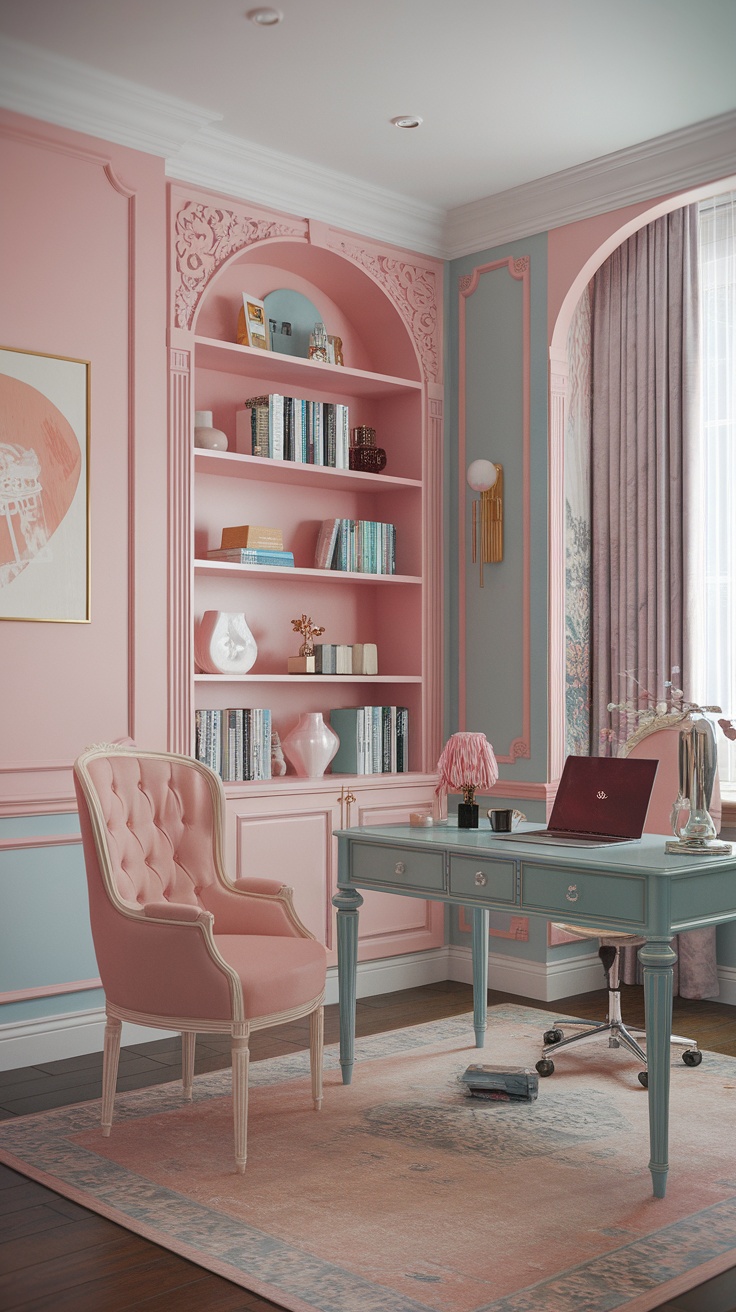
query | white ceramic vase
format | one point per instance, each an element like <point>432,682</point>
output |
<point>223,643</point>
<point>205,436</point>
<point>310,745</point>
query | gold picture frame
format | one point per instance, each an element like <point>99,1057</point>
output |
<point>44,487</point>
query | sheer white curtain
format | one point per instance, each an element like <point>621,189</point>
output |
<point>713,483</point>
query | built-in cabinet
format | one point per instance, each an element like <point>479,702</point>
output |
<point>385,306</point>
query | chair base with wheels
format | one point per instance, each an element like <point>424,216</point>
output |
<point>619,1034</point>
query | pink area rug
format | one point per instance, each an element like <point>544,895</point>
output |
<point>403,1195</point>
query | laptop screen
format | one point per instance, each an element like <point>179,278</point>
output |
<point>603,795</point>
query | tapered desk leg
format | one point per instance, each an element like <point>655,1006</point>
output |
<point>480,975</point>
<point>348,902</point>
<point>657,959</point>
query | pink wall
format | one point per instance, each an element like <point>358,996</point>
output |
<point>83,255</point>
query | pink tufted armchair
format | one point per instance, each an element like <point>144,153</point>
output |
<point>180,946</point>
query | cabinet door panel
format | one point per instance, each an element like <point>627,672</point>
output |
<point>297,847</point>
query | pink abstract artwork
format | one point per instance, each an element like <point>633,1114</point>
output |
<point>43,545</point>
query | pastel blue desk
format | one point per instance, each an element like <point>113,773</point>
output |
<point>634,887</point>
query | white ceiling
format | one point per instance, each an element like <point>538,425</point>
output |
<point>510,91</point>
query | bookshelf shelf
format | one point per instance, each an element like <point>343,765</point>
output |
<point>289,371</point>
<point>312,679</point>
<point>234,465</point>
<point>223,568</point>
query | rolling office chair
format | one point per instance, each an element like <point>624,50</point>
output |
<point>661,743</point>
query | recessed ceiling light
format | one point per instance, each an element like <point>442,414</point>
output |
<point>265,17</point>
<point>407,121</point>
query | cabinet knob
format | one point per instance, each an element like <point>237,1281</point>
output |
<point>481,879</point>
<point>572,894</point>
<point>399,868</point>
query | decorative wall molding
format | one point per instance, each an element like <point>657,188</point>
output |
<point>180,653</point>
<point>41,840</point>
<point>556,670</point>
<point>205,238</point>
<point>410,288</point>
<point>519,268</point>
<point>73,95</point>
<point>688,158</point>
<point>543,980</point>
<point>50,990</point>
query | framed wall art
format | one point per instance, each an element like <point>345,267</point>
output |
<point>44,487</point>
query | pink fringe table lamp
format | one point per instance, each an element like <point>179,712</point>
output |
<point>467,765</point>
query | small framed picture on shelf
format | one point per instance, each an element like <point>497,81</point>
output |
<point>253,324</point>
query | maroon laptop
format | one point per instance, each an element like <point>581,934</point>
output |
<point>600,800</point>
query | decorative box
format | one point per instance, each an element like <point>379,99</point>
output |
<point>364,455</point>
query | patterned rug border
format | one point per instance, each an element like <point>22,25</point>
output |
<point>603,1284</point>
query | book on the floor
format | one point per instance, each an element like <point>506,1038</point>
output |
<point>501,1083</point>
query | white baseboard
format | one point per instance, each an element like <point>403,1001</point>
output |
<point>543,982</point>
<point>394,973</point>
<point>51,1038</point>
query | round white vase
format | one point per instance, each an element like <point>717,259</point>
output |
<point>310,745</point>
<point>223,643</point>
<point>205,436</point>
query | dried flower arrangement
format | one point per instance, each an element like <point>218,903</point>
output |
<point>644,712</point>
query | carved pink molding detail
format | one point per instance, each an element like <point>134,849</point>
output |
<point>412,290</point>
<point>205,238</point>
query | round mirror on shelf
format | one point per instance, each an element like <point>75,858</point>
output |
<point>291,318</point>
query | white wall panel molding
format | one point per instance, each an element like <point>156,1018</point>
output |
<point>540,980</point>
<point>671,163</point>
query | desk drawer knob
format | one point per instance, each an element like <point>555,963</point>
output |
<point>399,868</point>
<point>572,894</point>
<point>481,879</point>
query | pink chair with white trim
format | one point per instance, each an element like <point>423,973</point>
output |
<point>180,946</point>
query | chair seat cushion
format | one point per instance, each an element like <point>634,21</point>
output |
<point>277,973</point>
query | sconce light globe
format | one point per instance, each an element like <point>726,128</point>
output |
<point>481,475</point>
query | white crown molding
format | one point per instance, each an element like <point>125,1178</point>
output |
<point>225,163</point>
<point>73,95</point>
<point>695,155</point>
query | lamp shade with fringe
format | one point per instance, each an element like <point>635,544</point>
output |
<point>467,765</point>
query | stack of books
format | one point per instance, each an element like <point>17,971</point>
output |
<point>373,739</point>
<point>289,428</point>
<point>236,743</point>
<point>362,546</point>
<point>345,658</point>
<point>251,544</point>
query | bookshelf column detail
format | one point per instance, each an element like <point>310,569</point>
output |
<point>180,482</point>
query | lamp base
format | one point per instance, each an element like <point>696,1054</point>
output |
<point>467,815</point>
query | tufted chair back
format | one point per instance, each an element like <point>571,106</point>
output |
<point>158,814</point>
<point>151,830</point>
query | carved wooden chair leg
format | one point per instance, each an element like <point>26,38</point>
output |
<point>316,1048</point>
<point>188,1041</point>
<point>240,1059</point>
<point>110,1059</point>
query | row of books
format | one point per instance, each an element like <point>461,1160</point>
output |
<point>363,546</point>
<point>236,743</point>
<point>289,428</point>
<point>373,739</point>
<point>345,658</point>
<point>251,556</point>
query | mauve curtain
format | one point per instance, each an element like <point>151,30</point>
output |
<point>645,413</point>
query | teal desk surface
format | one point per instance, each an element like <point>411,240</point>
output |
<point>633,887</point>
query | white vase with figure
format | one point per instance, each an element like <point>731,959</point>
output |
<point>310,745</point>
<point>223,643</point>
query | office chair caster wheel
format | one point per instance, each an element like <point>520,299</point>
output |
<point>692,1057</point>
<point>545,1067</point>
<point>643,1079</point>
<point>553,1036</point>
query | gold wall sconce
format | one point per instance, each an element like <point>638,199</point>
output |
<point>487,478</point>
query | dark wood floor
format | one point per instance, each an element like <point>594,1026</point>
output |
<point>57,1257</point>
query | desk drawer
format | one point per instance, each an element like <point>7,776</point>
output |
<point>621,898</point>
<point>483,878</point>
<point>397,866</point>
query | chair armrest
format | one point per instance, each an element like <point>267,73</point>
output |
<point>175,911</point>
<point>242,908</point>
